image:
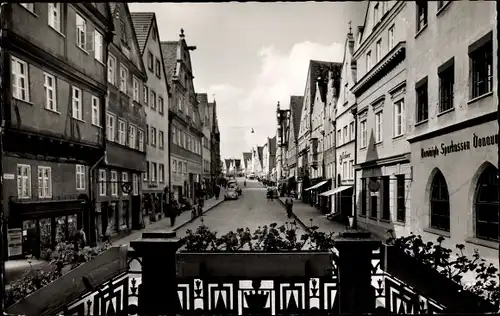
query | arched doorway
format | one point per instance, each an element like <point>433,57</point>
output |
<point>486,204</point>
<point>439,216</point>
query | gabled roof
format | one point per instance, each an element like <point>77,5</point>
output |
<point>169,54</point>
<point>260,152</point>
<point>319,69</point>
<point>296,103</point>
<point>246,156</point>
<point>142,25</point>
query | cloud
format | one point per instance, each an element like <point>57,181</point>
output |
<point>281,75</point>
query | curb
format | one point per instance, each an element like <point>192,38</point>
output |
<point>203,213</point>
<point>297,219</point>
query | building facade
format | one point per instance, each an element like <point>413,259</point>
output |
<point>292,170</point>
<point>119,207</point>
<point>185,123</point>
<point>155,180</point>
<point>257,164</point>
<point>282,133</point>
<point>246,163</point>
<point>451,120</point>
<point>53,96</point>
<point>383,170</point>
<point>204,108</point>
<point>269,157</point>
<point>215,165</point>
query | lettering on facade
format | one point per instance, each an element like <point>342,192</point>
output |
<point>454,147</point>
<point>344,155</point>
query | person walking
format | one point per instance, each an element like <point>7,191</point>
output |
<point>217,191</point>
<point>82,238</point>
<point>173,212</point>
<point>289,206</point>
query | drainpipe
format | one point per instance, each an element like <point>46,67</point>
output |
<point>354,214</point>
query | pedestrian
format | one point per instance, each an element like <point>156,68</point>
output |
<point>173,212</point>
<point>217,191</point>
<point>82,238</point>
<point>106,237</point>
<point>289,206</point>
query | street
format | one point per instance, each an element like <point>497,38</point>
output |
<point>252,209</point>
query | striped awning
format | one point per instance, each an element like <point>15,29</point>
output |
<point>317,185</point>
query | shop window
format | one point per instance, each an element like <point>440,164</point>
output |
<point>125,212</point>
<point>135,184</point>
<point>386,210</point>
<point>61,229</point>
<point>374,202</point>
<point>486,205</point>
<point>440,203</point>
<point>400,196</point>
<point>45,234</point>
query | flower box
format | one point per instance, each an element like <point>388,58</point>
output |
<point>52,298</point>
<point>254,264</point>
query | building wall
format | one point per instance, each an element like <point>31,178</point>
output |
<point>156,116</point>
<point>317,128</point>
<point>449,34</point>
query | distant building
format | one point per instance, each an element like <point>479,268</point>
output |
<point>269,157</point>
<point>292,149</point>
<point>206,143</point>
<point>247,163</point>
<point>215,167</point>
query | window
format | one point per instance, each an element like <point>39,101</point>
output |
<point>77,104</point>
<point>378,50</point>
<point>80,177</point>
<point>440,203</point>
<point>339,137</point>
<point>20,80</point>
<point>391,37</point>
<point>351,129</point>
<point>140,135</point>
<point>50,92</point>
<point>98,46</point>
<point>161,172</point>
<point>174,166</point>
<point>486,204</point>
<point>153,171</point>
<point>400,198</point>
<point>150,61</point>
<point>346,135</point>
<point>179,103</point>
<point>446,83</point>
<point>351,169</point>
<point>110,127</point>
<point>174,135</point>
<point>179,137</point>
<point>179,167</point>
<point>81,32</point>
<point>185,168</point>
<point>124,180</point>
<point>146,95</point>
<point>422,106</point>
<point>362,131</point>
<point>153,136</point>
<point>160,105</point>
<point>23,181</point>
<point>131,136</point>
<point>421,15</point>
<point>344,170</point>
<point>135,84</point>
<point>399,108</point>
<point>111,69</point>
<point>152,98</point>
<point>378,127</point>
<point>28,6</point>
<point>375,14</point>
<point>158,68</point>
<point>368,61</point>
<point>95,111</point>
<point>386,210</point>
<point>44,182</point>
<point>481,60</point>
<point>160,139</point>
<point>146,174</point>
<point>114,183</point>
<point>102,182</point>
<point>135,184</point>
<point>123,79</point>
<point>121,132</point>
<point>55,16</point>
<point>123,32</point>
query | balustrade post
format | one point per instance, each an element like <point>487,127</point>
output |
<point>158,291</point>
<point>356,294</point>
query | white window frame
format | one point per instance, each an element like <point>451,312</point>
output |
<point>185,167</point>
<point>132,139</point>
<point>98,46</point>
<point>54,16</point>
<point>81,32</point>
<point>174,166</point>
<point>111,69</point>
<point>161,139</point>
<point>20,80</point>
<point>399,105</point>
<point>368,61</point>
<point>110,127</point>
<point>124,179</point>
<point>114,183</point>
<point>102,182</point>
<point>80,177</point>
<point>145,92</point>
<point>378,50</point>
<point>152,99</point>
<point>44,182</point>
<point>352,131</point>
<point>152,136</point>
<point>135,94</point>
<point>140,135</point>
<point>391,37</point>
<point>135,184</point>
<point>50,103</point>
<point>96,111</point>
<point>379,127</point>
<point>153,171</point>
<point>77,107</point>
<point>161,173</point>
<point>351,169</point>
<point>23,181</point>
<point>122,132</point>
<point>161,104</point>
<point>123,78</point>
<point>362,132</point>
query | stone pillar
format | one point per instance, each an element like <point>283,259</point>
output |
<point>158,291</point>
<point>356,294</point>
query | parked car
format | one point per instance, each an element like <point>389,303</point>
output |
<point>231,194</point>
<point>234,184</point>
<point>272,192</point>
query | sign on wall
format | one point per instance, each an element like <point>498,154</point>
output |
<point>15,241</point>
<point>452,147</point>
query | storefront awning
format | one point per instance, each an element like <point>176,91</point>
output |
<point>336,190</point>
<point>317,185</point>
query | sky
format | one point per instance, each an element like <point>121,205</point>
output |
<point>250,56</point>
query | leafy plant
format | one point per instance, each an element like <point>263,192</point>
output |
<point>270,238</point>
<point>452,266</point>
<point>63,258</point>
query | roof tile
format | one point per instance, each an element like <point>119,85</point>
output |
<point>142,23</point>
